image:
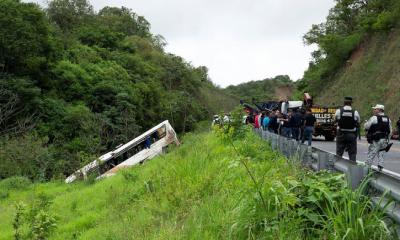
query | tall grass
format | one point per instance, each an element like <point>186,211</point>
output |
<point>353,216</point>
<point>200,190</point>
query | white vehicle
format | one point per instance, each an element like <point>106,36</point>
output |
<point>138,150</point>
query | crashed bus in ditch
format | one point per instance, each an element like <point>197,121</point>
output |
<point>144,147</point>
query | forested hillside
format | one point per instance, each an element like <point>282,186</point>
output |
<point>358,55</point>
<point>277,88</point>
<point>75,82</point>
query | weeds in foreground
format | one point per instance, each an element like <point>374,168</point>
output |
<point>301,206</point>
<point>34,222</point>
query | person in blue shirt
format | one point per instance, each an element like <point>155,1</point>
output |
<point>147,142</point>
<point>265,122</point>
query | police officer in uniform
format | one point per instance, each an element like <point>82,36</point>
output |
<point>379,130</point>
<point>348,120</point>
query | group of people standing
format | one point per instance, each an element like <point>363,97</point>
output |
<point>297,124</point>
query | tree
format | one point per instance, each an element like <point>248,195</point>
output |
<point>19,101</point>
<point>108,82</point>
<point>25,43</point>
<point>68,14</point>
<point>125,21</point>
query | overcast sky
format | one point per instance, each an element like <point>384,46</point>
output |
<point>237,40</point>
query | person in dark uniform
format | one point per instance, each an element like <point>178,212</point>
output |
<point>296,123</point>
<point>309,122</point>
<point>286,125</point>
<point>348,120</point>
<point>379,129</point>
<point>273,123</point>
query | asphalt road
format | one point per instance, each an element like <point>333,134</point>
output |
<point>392,158</point>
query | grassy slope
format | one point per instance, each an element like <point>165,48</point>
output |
<point>372,76</point>
<point>202,191</point>
<point>191,193</point>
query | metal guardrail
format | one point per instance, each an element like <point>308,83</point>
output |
<point>382,182</point>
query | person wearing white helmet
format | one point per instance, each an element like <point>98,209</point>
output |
<point>378,129</point>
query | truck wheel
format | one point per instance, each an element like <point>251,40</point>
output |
<point>329,138</point>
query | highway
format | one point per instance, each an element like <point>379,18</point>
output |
<point>392,158</point>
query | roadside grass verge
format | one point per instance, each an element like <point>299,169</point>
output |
<point>200,190</point>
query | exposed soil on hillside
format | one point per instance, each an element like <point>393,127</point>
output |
<point>356,54</point>
<point>283,92</point>
<point>370,76</point>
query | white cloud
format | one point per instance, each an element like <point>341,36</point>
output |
<point>237,40</point>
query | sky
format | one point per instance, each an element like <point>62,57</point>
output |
<point>237,40</point>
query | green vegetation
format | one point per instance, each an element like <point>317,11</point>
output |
<point>349,25</point>
<point>227,185</point>
<point>371,77</point>
<point>357,56</point>
<point>75,82</point>
<point>277,88</point>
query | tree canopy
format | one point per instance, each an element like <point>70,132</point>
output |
<point>75,82</point>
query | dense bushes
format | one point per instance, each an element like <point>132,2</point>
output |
<point>75,82</point>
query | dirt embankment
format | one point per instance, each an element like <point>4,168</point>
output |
<point>371,76</point>
<point>284,92</point>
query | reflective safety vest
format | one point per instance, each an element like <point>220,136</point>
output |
<point>346,121</point>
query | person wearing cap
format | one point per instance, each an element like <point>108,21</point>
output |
<point>379,130</point>
<point>348,120</point>
<point>216,120</point>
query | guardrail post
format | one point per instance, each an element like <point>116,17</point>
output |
<point>296,151</point>
<point>323,160</point>
<point>285,147</point>
<point>273,142</point>
<point>290,148</point>
<point>305,153</point>
<point>281,144</point>
<point>355,175</point>
<point>314,160</point>
<point>331,161</point>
